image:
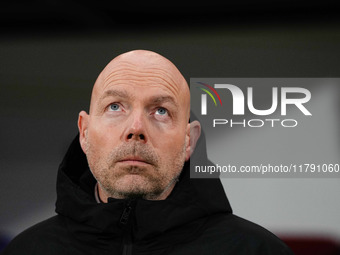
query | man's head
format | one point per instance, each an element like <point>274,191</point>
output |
<point>136,136</point>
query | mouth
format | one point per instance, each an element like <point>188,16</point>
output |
<point>134,161</point>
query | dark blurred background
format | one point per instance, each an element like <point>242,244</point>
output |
<point>52,51</point>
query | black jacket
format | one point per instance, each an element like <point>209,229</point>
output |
<point>195,219</point>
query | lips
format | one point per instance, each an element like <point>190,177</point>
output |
<point>134,160</point>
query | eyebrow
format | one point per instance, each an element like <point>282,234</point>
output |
<point>163,99</point>
<point>156,99</point>
<point>115,93</point>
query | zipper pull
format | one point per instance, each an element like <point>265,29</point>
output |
<point>126,213</point>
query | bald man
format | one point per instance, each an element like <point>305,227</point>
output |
<point>137,126</point>
<point>124,185</point>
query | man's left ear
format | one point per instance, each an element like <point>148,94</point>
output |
<point>193,134</point>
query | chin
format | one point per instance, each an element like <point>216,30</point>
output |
<point>133,183</point>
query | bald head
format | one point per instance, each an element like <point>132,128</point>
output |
<point>143,68</point>
<point>137,136</point>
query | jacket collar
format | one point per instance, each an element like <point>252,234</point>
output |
<point>183,213</point>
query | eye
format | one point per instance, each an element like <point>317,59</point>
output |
<point>114,107</point>
<point>161,111</point>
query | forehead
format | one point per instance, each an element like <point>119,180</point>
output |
<point>142,75</point>
<point>127,76</point>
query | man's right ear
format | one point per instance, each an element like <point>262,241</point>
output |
<point>83,120</point>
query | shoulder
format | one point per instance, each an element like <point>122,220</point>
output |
<point>238,225</point>
<point>41,238</point>
<point>249,237</point>
<point>228,233</point>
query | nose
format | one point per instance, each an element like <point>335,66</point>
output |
<point>137,130</point>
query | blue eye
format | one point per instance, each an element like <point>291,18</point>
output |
<point>161,111</point>
<point>114,107</point>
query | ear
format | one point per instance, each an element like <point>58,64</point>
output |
<point>193,134</point>
<point>83,122</point>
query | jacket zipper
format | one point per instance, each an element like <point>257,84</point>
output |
<point>125,220</point>
<point>126,213</point>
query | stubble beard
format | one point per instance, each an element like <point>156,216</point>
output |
<point>127,181</point>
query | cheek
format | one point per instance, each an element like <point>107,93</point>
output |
<point>171,146</point>
<point>175,139</point>
<point>102,137</point>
